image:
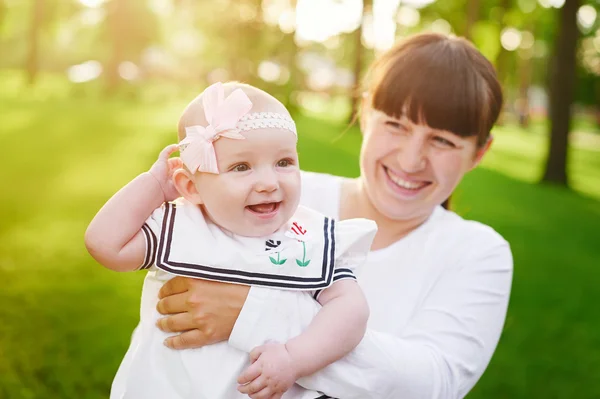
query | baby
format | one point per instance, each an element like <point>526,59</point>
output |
<point>234,217</point>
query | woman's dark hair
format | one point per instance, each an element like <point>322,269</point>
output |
<point>439,80</point>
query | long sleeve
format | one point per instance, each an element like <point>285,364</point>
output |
<point>440,353</point>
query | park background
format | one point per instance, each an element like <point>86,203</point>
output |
<point>90,91</point>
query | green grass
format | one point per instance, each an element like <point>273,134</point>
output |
<point>65,322</point>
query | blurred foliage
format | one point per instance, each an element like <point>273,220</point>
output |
<point>66,321</point>
<point>111,77</point>
<point>197,42</point>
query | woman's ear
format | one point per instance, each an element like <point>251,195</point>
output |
<point>185,185</point>
<point>482,151</point>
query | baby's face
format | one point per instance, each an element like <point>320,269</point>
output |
<point>257,189</point>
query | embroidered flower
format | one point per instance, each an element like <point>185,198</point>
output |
<point>271,245</point>
<point>299,233</point>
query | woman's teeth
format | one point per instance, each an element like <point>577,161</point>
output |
<point>403,183</point>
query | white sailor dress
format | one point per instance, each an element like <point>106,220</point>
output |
<point>308,253</point>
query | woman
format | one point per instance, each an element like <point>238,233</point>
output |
<point>437,285</point>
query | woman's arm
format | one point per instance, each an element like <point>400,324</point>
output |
<point>440,354</point>
<point>114,237</point>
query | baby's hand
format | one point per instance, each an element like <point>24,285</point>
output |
<point>271,373</point>
<point>163,169</point>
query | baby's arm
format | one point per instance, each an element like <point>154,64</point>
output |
<point>336,329</point>
<point>114,237</point>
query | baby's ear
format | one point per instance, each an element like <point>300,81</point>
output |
<point>184,182</point>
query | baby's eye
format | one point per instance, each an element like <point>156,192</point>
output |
<point>241,168</point>
<point>284,163</point>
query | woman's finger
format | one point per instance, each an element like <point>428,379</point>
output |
<point>176,323</point>
<point>254,386</point>
<point>176,285</point>
<point>250,374</point>
<point>177,303</point>
<point>264,393</point>
<point>187,340</point>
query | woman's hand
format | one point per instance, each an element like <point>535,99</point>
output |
<point>163,170</point>
<point>203,311</point>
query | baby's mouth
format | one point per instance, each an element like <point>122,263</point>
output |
<point>265,208</point>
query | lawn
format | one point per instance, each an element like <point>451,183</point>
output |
<point>65,321</point>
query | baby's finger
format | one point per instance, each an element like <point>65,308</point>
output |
<point>167,151</point>
<point>256,352</point>
<point>175,163</point>
<point>265,393</point>
<point>253,387</point>
<point>250,374</point>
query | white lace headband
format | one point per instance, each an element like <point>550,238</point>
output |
<point>260,120</point>
<point>226,117</point>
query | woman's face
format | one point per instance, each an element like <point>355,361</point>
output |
<point>408,169</point>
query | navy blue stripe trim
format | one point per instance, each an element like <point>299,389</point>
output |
<point>336,271</point>
<point>148,249</point>
<point>150,254</point>
<point>344,276</point>
<point>332,256</point>
<point>325,247</point>
<point>154,247</point>
<point>243,277</point>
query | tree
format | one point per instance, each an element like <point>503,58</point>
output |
<point>358,60</point>
<point>473,7</point>
<point>129,27</point>
<point>561,90</point>
<point>37,17</point>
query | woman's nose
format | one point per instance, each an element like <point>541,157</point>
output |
<point>412,157</point>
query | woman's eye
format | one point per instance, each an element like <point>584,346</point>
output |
<point>442,141</point>
<point>241,168</point>
<point>284,163</point>
<point>395,127</point>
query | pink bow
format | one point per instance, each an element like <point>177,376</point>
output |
<point>222,115</point>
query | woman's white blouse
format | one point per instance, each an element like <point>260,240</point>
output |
<point>438,300</point>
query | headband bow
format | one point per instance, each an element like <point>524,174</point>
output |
<point>222,115</point>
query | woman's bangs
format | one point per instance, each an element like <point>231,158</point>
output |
<point>435,89</point>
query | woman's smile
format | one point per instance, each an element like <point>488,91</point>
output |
<point>406,187</point>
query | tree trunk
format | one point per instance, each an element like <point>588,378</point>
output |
<point>3,12</point>
<point>293,83</point>
<point>355,96</point>
<point>32,66</point>
<point>472,16</point>
<point>597,107</point>
<point>524,83</point>
<point>113,18</point>
<point>562,82</point>
<point>502,60</point>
